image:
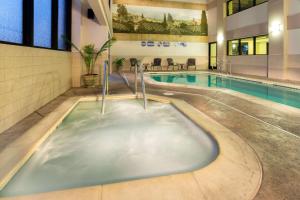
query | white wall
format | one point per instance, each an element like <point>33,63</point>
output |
<point>85,31</point>
<point>293,41</point>
<point>294,7</point>
<point>129,49</point>
<point>212,21</point>
<point>134,48</point>
<point>251,16</point>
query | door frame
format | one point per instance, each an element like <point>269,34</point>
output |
<point>209,55</point>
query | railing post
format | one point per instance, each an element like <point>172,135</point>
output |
<point>135,80</point>
<point>104,85</point>
<point>143,86</point>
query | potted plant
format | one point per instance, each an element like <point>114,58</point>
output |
<point>119,63</point>
<point>90,54</point>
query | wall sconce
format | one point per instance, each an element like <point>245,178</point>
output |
<point>276,28</point>
<point>220,38</point>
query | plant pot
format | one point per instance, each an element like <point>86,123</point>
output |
<point>89,80</point>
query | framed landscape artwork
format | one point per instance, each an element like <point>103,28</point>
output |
<point>155,20</point>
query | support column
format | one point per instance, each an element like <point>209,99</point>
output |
<point>278,37</point>
<point>76,39</point>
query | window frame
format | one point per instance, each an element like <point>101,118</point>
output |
<point>239,6</point>
<point>28,26</point>
<point>254,46</point>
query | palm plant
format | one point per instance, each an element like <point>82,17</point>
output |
<point>119,63</point>
<point>90,54</point>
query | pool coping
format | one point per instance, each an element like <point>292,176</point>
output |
<point>235,174</point>
<point>270,82</point>
<point>251,98</point>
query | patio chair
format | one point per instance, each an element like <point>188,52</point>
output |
<point>156,63</point>
<point>191,62</point>
<point>171,64</point>
<point>133,62</point>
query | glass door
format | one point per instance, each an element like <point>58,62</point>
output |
<point>212,61</point>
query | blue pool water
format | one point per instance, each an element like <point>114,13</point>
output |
<point>279,94</point>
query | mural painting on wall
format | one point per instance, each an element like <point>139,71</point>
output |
<point>154,20</point>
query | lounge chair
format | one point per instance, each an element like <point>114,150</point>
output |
<point>133,62</point>
<point>171,64</point>
<point>191,62</point>
<point>156,63</point>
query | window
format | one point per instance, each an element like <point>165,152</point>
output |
<point>42,23</point>
<point>257,2</point>
<point>247,46</point>
<point>62,28</point>
<point>36,23</point>
<point>230,7</point>
<point>262,45</point>
<point>233,47</point>
<point>11,21</point>
<point>235,6</point>
<point>245,4</point>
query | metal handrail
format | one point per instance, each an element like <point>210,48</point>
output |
<point>228,65</point>
<point>220,66</point>
<point>124,78</point>
<point>104,86</point>
<point>135,80</point>
<point>143,86</point>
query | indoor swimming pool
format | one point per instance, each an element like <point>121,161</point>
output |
<point>280,94</point>
<point>125,143</point>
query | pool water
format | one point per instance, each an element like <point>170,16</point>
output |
<point>125,143</point>
<point>279,94</point>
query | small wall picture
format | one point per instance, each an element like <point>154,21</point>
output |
<point>150,44</point>
<point>143,43</point>
<point>166,44</point>
<point>183,44</point>
<point>159,44</point>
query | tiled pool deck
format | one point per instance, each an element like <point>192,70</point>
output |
<point>272,132</point>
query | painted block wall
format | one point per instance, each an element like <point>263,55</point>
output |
<point>129,49</point>
<point>30,78</point>
<point>293,30</point>
<point>85,31</point>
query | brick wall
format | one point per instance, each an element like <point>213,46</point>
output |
<point>30,78</point>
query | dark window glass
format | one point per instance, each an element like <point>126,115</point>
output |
<point>62,28</point>
<point>246,4</point>
<point>42,23</point>
<point>260,1</point>
<point>234,6</point>
<point>11,21</point>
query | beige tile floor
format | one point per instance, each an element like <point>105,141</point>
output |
<point>273,132</point>
<point>278,150</point>
<point>235,174</point>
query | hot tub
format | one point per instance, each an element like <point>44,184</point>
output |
<point>125,143</point>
